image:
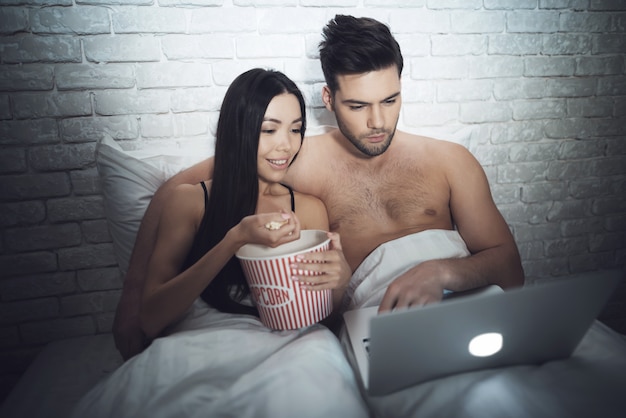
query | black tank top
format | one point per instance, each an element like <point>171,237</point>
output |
<point>206,196</point>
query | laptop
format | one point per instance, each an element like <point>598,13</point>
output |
<point>527,325</point>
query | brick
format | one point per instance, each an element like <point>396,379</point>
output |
<point>180,47</point>
<point>440,68</point>
<point>609,206</point>
<point>612,86</point>
<point>454,4</point>
<point>590,107</point>
<point>515,44</point>
<point>539,109</point>
<point>572,128</point>
<point>566,44</point>
<point>563,4</point>
<point>92,129</point>
<point>544,151</point>
<point>56,329</point>
<point>29,77</point>
<point>13,20</point>
<point>541,192</point>
<point>111,102</point>
<point>107,278</point>
<point>517,131</point>
<point>490,154</point>
<point>419,21</point>
<point>496,66</point>
<point>549,66</point>
<point>415,92</point>
<point>607,242</point>
<point>531,250</point>
<point>29,310</point>
<point>615,223</point>
<point>13,160</point>
<point>104,321</point>
<point>198,99</point>
<point>481,112</point>
<point>388,3</point>
<point>532,21</point>
<point>609,44</point>
<point>537,233</point>
<point>5,107</point>
<point>192,124</point>
<point>209,20</point>
<point>592,262</point>
<point>599,65</point>
<point>417,45</point>
<point>479,22</point>
<point>616,146</point>
<point>24,132</point>
<point>458,45</point>
<point>609,166</point>
<point>578,227</point>
<point>43,237</point>
<point>588,188</point>
<point>157,126</point>
<point>538,269</point>
<point>62,157</point>
<point>585,22</point>
<point>510,4</point>
<point>503,194</point>
<point>54,104</point>
<point>33,186</point>
<point>418,114</point>
<point>85,182</point>
<point>122,48</point>
<point>566,247</point>
<point>86,76</point>
<point>532,214</point>
<point>269,46</point>
<point>519,88</point>
<point>26,48</point>
<point>22,213</point>
<point>462,90</point>
<point>569,209</point>
<point>523,172</point>
<point>38,286</point>
<point>86,256</point>
<point>83,303</point>
<point>75,209</point>
<point>174,74</point>
<point>95,231</point>
<point>148,20</point>
<point>568,170</point>
<point>571,150</point>
<point>605,5</point>
<point>83,20</point>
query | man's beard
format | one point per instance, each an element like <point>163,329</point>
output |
<point>371,150</point>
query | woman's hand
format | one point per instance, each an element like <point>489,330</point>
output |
<point>332,264</point>
<point>270,229</point>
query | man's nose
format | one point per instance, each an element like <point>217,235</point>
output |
<point>375,119</point>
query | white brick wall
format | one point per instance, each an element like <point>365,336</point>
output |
<point>544,80</point>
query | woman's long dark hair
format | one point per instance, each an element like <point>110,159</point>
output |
<point>235,186</point>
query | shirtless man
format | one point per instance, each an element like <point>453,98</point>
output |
<point>378,184</point>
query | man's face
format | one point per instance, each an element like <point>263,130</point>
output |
<point>367,108</point>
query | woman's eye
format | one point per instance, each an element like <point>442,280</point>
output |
<point>268,131</point>
<point>296,130</point>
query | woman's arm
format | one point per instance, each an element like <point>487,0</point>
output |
<point>129,337</point>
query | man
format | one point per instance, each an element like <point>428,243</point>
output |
<point>378,185</point>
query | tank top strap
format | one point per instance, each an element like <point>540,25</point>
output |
<point>206,194</point>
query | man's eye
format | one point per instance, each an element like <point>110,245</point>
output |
<point>359,107</point>
<point>390,101</point>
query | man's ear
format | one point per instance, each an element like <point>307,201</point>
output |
<point>327,98</point>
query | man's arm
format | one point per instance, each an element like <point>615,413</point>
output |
<point>494,255</point>
<point>129,338</point>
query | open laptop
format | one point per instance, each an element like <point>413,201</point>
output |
<point>527,325</point>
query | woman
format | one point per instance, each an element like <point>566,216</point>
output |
<point>260,130</point>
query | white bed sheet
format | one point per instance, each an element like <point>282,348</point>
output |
<point>222,365</point>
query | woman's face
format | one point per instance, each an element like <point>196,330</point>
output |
<point>280,138</point>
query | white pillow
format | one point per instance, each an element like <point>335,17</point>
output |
<point>129,179</point>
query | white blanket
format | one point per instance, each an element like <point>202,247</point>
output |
<point>590,383</point>
<point>221,365</point>
<point>370,280</point>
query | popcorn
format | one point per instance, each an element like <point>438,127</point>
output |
<point>274,225</point>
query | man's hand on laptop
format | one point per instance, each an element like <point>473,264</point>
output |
<point>416,287</point>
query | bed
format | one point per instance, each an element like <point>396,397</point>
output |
<point>212,364</point>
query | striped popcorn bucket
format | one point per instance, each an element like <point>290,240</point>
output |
<point>281,302</point>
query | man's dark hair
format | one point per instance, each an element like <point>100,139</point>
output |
<point>353,45</point>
